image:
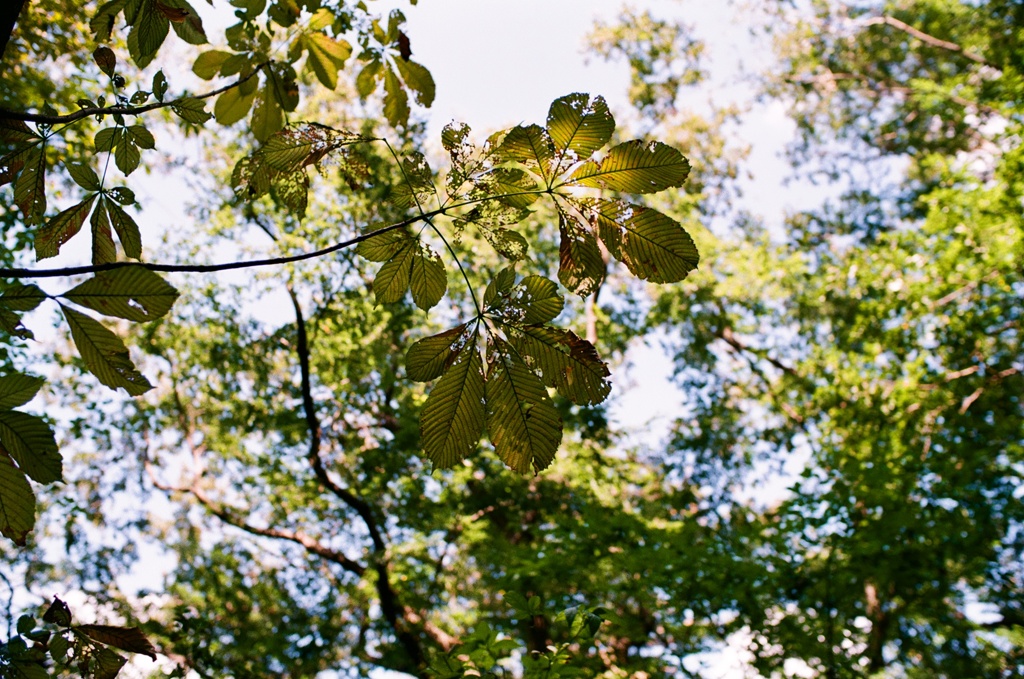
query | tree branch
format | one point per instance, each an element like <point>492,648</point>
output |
<point>928,39</point>
<point>209,268</point>
<point>25,116</point>
<point>9,13</point>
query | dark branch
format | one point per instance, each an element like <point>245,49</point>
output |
<point>9,13</point>
<point>210,268</point>
<point>25,116</point>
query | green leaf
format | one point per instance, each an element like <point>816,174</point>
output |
<point>84,176</point>
<point>140,136</point>
<point>59,647</point>
<point>107,138</point>
<point>10,323</point>
<point>530,145</point>
<point>185,21</point>
<point>105,59</point>
<point>418,79</point>
<point>429,357</point>
<point>581,267</point>
<point>507,243</point>
<point>131,292</point>
<point>523,423</point>
<point>283,86</point>
<point>22,297</point>
<point>453,416</point>
<point>499,287</point>
<point>326,56</point>
<point>635,167</point>
<point>126,229</point>
<point>579,125</point>
<point>366,81</point>
<point>148,32</point>
<point>58,613</point>
<point>107,664</point>
<point>233,105</point>
<point>382,246</point>
<point>102,22</point>
<point>26,624</point>
<point>103,249</point>
<point>267,115</point>
<point>129,639</point>
<point>126,155</point>
<point>208,64</point>
<point>565,361</point>
<point>392,279</point>
<point>30,186</point>
<point>539,300</point>
<point>61,228</point>
<point>104,354</point>
<point>396,101</point>
<point>159,85</point>
<point>29,440</point>
<point>427,279</point>
<point>122,194</point>
<point>292,190</point>
<point>653,247</point>
<point>192,110</point>
<point>17,502</point>
<point>18,389</point>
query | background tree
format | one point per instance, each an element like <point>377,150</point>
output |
<point>840,494</point>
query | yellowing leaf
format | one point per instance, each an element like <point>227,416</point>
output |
<point>635,167</point>
<point>61,228</point>
<point>208,64</point>
<point>418,79</point>
<point>233,105</point>
<point>453,416</point>
<point>326,56</point>
<point>392,280</point>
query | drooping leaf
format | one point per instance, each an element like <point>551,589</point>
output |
<point>131,292</point>
<point>581,267</point>
<point>418,79</point>
<point>30,441</point>
<point>17,389</point>
<point>107,664</point>
<point>396,101</point>
<point>102,22</point>
<point>578,126</point>
<point>185,21</point>
<point>635,167</point>
<point>653,246</point>
<point>104,354</point>
<point>392,280</point>
<point>17,502</point>
<point>523,424</point>
<point>148,31</point>
<point>61,228</point>
<point>126,229</point>
<point>453,416</point>
<point>429,357</point>
<point>103,249</point>
<point>267,115</point>
<point>565,361</point>
<point>22,297</point>
<point>530,145</point>
<point>30,186</point>
<point>129,639</point>
<point>105,59</point>
<point>366,81</point>
<point>427,279</point>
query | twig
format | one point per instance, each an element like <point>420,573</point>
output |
<point>928,39</point>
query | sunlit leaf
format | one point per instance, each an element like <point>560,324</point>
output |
<point>104,354</point>
<point>61,228</point>
<point>499,287</point>
<point>103,249</point>
<point>523,424</point>
<point>396,101</point>
<point>30,441</point>
<point>17,389</point>
<point>208,64</point>
<point>418,79</point>
<point>233,105</point>
<point>581,266</point>
<point>131,292</point>
<point>382,246</point>
<point>126,229</point>
<point>429,357</point>
<point>17,502</point>
<point>427,279</point>
<point>507,243</point>
<point>391,282</point>
<point>366,81</point>
<point>325,56</point>
<point>530,145</point>
<point>453,416</point>
<point>653,246</point>
<point>192,110</point>
<point>635,167</point>
<point>30,186</point>
<point>578,126</point>
<point>565,361</point>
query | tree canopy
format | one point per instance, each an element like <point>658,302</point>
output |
<point>355,414</point>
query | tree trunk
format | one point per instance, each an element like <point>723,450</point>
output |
<point>9,13</point>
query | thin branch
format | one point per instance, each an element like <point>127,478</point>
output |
<point>207,268</point>
<point>928,39</point>
<point>25,116</point>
